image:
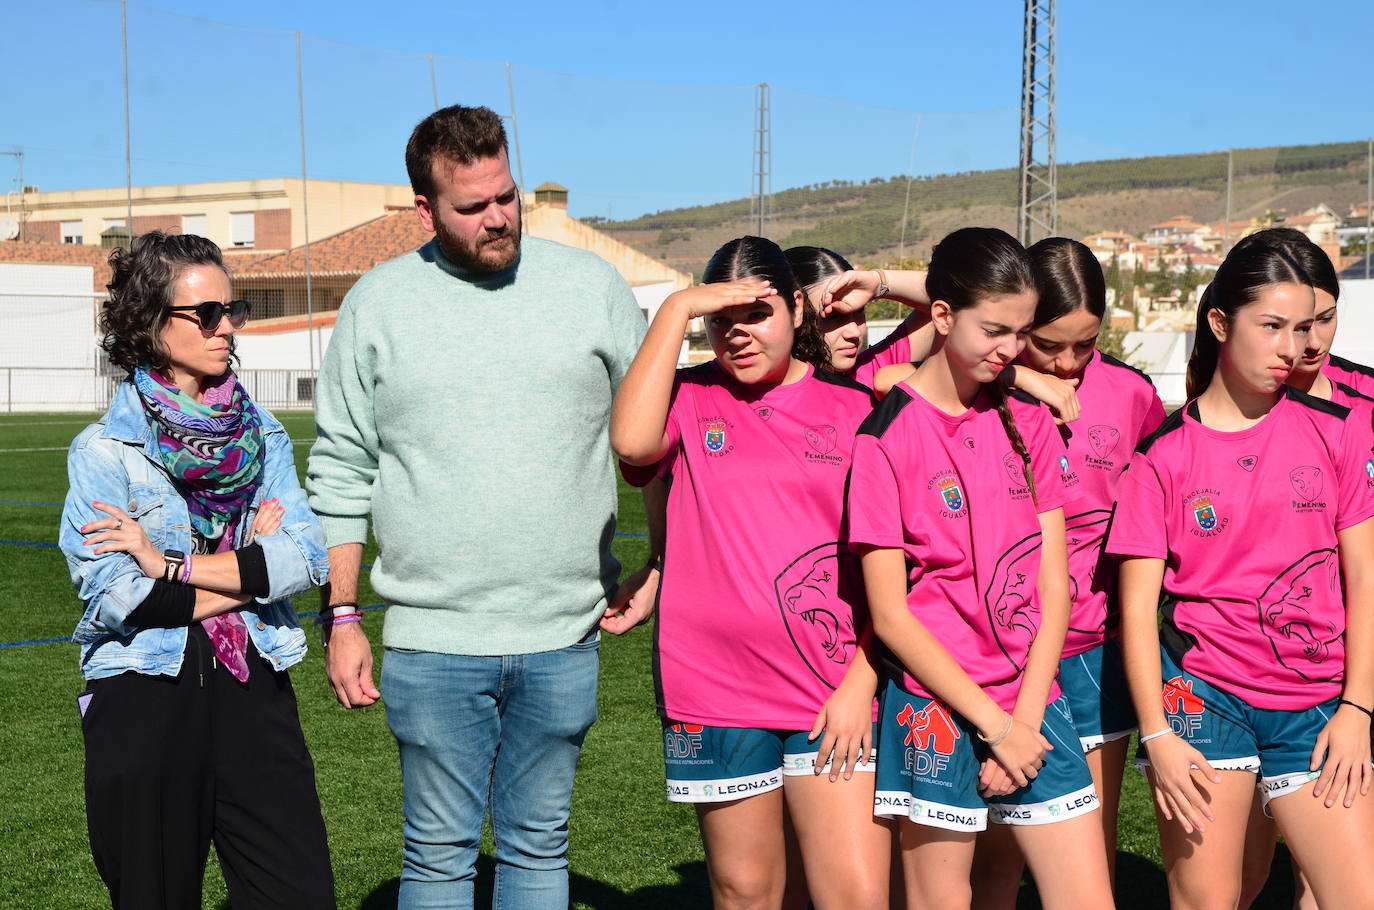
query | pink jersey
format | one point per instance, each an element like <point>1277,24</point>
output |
<point>1119,408</point>
<point>1246,522</point>
<point>1356,375</point>
<point>895,348</point>
<point>761,605</point>
<point>1348,397</point>
<point>950,492</point>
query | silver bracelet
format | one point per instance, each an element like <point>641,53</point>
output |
<point>1156,735</point>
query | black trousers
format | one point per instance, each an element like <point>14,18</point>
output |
<point>174,764</point>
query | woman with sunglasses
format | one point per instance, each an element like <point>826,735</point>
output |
<point>186,533</point>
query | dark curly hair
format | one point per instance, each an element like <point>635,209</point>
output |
<point>141,289</point>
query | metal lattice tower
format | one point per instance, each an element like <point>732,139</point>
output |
<point>761,192</point>
<point>1037,213</point>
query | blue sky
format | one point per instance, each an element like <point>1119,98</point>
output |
<point>639,105</point>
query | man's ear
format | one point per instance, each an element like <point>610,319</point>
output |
<point>424,212</point>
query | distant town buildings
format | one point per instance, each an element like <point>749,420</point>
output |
<point>261,226</point>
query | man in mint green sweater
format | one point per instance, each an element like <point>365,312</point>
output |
<point>463,404</point>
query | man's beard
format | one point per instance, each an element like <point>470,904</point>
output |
<point>480,255</point>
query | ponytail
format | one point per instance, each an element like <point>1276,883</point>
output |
<point>808,341</point>
<point>1202,362</point>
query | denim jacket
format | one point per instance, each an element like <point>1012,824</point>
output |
<point>115,461</point>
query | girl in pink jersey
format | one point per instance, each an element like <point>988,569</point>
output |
<point>1317,372</point>
<point>1249,510</point>
<point>1117,407</point>
<point>819,271</point>
<point>956,505</point>
<point>1310,374</point>
<point>761,634</point>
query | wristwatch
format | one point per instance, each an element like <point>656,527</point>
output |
<point>174,560</point>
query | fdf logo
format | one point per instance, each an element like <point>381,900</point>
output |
<point>682,740</point>
<point>1185,709</point>
<point>929,730</point>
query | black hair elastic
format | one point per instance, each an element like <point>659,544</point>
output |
<point>1367,711</point>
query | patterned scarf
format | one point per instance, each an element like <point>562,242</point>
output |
<point>212,449</point>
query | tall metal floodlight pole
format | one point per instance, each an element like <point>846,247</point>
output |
<point>761,195</point>
<point>128,139</point>
<point>1368,209</point>
<point>1038,206</point>
<point>311,338</point>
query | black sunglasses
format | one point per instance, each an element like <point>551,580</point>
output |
<point>208,313</point>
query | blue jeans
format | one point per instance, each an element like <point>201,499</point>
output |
<point>479,734</point>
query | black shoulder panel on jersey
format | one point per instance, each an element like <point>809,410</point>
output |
<point>1317,404</point>
<point>1108,358</point>
<point>1353,393</point>
<point>702,372</point>
<point>876,423</point>
<point>1350,365</point>
<point>1024,397</point>
<point>1171,423</point>
<point>845,382</point>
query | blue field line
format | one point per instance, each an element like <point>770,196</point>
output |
<point>52,641</point>
<point>36,641</point>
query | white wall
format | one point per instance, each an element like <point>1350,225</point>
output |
<point>281,350</point>
<point>1355,333</point>
<point>651,296</point>
<point>1164,357</point>
<point>47,337</point>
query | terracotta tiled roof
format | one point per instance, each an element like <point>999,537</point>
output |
<point>238,260</point>
<point>289,324</point>
<point>350,252</point>
<point>1178,221</point>
<point>61,254</point>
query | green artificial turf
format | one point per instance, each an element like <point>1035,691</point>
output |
<point>630,848</point>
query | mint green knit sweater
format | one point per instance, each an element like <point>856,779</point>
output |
<point>468,415</point>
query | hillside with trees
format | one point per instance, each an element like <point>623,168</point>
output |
<point>863,220</point>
